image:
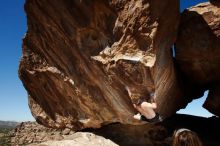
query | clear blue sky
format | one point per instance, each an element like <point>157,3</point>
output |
<point>13,97</point>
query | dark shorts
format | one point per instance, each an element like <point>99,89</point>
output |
<point>157,118</point>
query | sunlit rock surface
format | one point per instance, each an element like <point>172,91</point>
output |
<point>198,52</point>
<point>80,59</point>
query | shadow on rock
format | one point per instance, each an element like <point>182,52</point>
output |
<point>160,134</point>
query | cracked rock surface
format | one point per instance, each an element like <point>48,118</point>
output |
<point>81,58</point>
<point>86,62</point>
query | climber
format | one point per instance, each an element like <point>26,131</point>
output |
<point>186,137</point>
<point>146,108</point>
<point>147,112</point>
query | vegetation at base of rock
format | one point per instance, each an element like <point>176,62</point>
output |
<point>5,136</point>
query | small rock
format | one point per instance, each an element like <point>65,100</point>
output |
<point>66,131</point>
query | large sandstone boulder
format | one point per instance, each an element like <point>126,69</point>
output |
<point>198,53</point>
<point>81,57</point>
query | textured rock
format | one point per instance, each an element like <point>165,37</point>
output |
<point>31,134</point>
<point>198,52</point>
<point>159,134</point>
<point>84,139</point>
<point>81,57</point>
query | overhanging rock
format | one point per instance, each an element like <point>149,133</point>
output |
<point>81,57</point>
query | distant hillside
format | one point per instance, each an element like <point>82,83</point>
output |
<point>8,124</point>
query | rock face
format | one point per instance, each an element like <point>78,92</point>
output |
<point>81,59</point>
<point>198,52</point>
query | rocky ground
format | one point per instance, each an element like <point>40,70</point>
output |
<point>160,134</point>
<point>33,134</point>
